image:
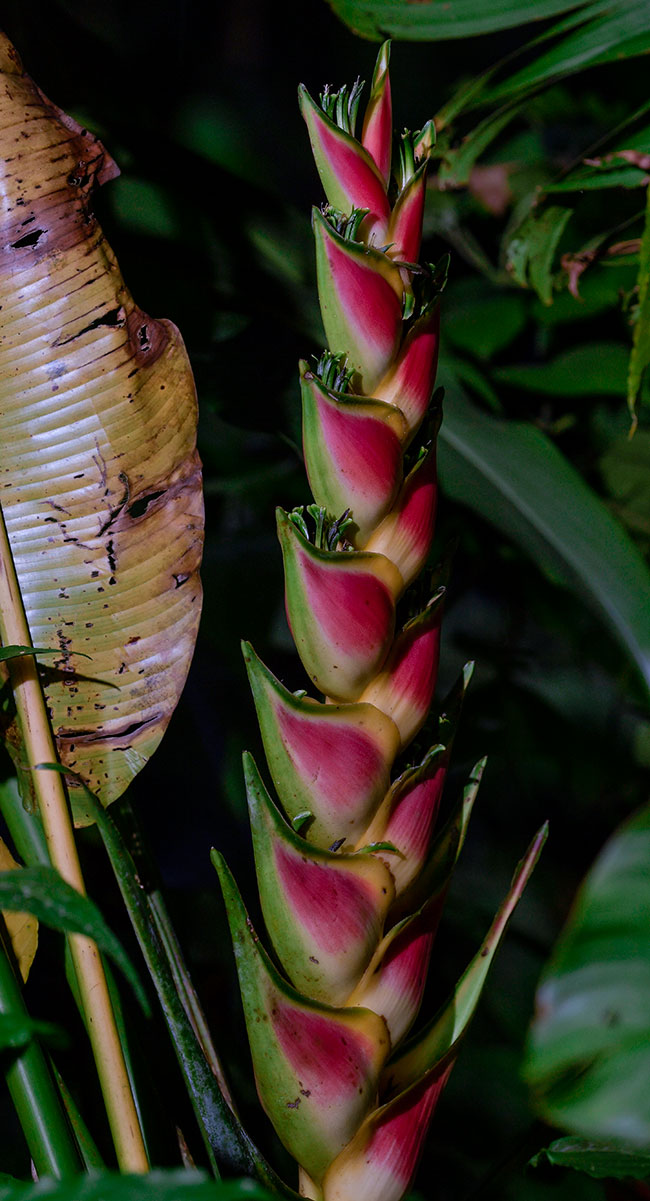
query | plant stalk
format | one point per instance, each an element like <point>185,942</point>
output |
<point>33,1093</point>
<point>52,801</point>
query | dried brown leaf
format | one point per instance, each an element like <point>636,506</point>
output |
<point>22,928</point>
<point>99,475</point>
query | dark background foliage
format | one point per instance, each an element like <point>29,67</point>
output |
<point>210,221</point>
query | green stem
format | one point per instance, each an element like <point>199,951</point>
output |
<point>134,841</point>
<point>34,1095</point>
<point>39,747</point>
<point>225,1139</point>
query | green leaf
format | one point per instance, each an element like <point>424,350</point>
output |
<point>432,21</point>
<point>17,1030</point>
<point>42,891</point>
<point>599,1159</point>
<point>589,181</point>
<point>19,652</point>
<point>625,468</point>
<point>156,1186</point>
<point>457,164</point>
<point>588,1058</point>
<point>596,369</point>
<point>531,249</point>
<point>226,1141</point>
<point>608,31</point>
<point>640,356</point>
<point>481,320</point>
<point>440,1037</point>
<point>512,475</point>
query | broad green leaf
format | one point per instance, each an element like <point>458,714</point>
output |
<point>588,1057</point>
<point>598,1159</point>
<point>432,21</point>
<point>531,249</point>
<point>98,465</point>
<point>595,369</point>
<point>42,891</point>
<point>640,356</point>
<point>156,1186</point>
<point>513,475</point>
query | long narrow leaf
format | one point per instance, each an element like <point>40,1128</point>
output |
<point>432,21</point>
<point>41,890</point>
<point>512,475</point>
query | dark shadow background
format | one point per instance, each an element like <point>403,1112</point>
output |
<point>210,222</point>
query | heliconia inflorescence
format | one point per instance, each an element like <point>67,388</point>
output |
<point>353,873</point>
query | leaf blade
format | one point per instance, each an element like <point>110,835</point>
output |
<point>511,474</point>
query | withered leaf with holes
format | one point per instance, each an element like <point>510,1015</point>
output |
<point>100,480</point>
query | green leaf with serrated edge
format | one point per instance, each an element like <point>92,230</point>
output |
<point>158,1185</point>
<point>443,1033</point>
<point>316,1067</point>
<point>42,891</point>
<point>531,249</point>
<point>612,1159</point>
<point>445,849</point>
<point>431,21</point>
<point>588,1054</point>
<point>514,477</point>
<point>332,761</point>
<point>640,353</point>
<point>324,911</point>
<point>19,652</point>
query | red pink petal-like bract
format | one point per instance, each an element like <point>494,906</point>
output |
<point>353,869</point>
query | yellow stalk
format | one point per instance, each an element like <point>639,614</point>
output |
<point>50,793</point>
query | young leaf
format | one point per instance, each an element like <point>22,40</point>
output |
<point>531,249</point>
<point>101,481</point>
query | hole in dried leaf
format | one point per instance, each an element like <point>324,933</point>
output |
<point>29,239</point>
<point>140,506</point>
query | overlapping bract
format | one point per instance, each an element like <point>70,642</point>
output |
<point>353,878</point>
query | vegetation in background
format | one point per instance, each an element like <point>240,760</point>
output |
<point>541,200</point>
